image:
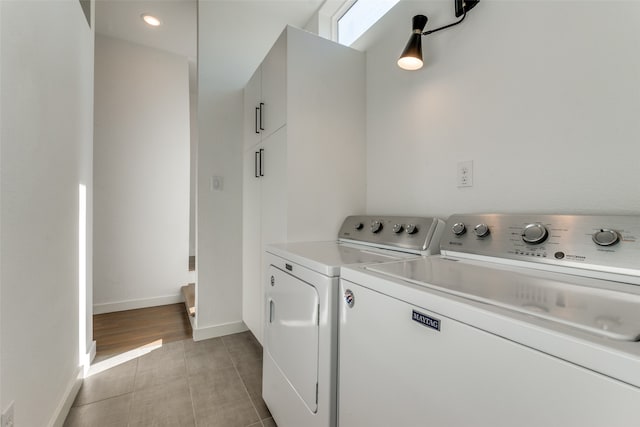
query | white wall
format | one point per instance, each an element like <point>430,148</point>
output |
<point>46,114</point>
<point>219,213</point>
<point>1,116</point>
<point>141,242</point>
<point>193,169</point>
<point>542,96</point>
<point>222,75</point>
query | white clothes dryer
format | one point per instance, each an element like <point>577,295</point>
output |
<point>301,296</point>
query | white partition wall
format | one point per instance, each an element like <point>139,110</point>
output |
<point>46,68</point>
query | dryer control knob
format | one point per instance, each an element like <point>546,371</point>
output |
<point>376,226</point>
<point>606,237</point>
<point>359,226</point>
<point>481,230</point>
<point>412,229</point>
<point>397,228</point>
<point>459,228</point>
<point>534,233</point>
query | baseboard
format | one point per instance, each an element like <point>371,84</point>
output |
<point>92,352</point>
<point>200,334</point>
<point>69,396</point>
<point>88,359</point>
<point>111,307</point>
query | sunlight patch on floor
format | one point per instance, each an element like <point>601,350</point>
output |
<point>121,358</point>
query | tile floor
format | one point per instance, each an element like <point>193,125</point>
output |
<point>212,383</point>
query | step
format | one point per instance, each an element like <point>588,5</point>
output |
<point>189,293</point>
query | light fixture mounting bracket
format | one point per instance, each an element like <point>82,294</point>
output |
<point>464,6</point>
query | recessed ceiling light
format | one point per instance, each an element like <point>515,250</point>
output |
<point>150,20</point>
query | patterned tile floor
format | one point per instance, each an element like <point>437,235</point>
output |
<point>212,383</point>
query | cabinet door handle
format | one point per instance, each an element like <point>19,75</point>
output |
<point>261,107</point>
<point>255,164</point>
<point>262,162</point>
<point>256,120</point>
<point>271,310</point>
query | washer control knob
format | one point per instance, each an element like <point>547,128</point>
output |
<point>376,226</point>
<point>534,233</point>
<point>397,228</point>
<point>481,230</point>
<point>412,229</point>
<point>606,237</point>
<point>459,228</point>
<point>359,226</point>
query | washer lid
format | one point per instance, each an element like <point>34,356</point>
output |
<point>597,306</point>
<point>327,257</point>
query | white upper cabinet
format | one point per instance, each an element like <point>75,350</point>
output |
<point>265,96</point>
<point>274,88</point>
<point>252,99</point>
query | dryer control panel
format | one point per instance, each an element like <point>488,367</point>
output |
<point>407,233</point>
<point>594,242</point>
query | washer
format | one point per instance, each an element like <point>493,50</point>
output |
<point>301,296</point>
<point>527,320</point>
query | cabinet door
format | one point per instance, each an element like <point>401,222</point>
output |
<point>291,333</point>
<point>274,190</point>
<point>251,246</point>
<point>252,96</point>
<point>274,87</point>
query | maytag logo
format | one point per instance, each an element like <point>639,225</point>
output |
<point>426,320</point>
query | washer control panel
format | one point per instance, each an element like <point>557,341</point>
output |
<point>415,234</point>
<point>590,240</point>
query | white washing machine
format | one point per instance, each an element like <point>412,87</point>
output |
<point>301,298</point>
<point>523,320</point>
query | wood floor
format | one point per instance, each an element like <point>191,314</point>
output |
<point>126,330</point>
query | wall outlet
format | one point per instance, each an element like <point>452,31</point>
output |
<point>465,174</point>
<point>7,416</point>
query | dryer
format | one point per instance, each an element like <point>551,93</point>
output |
<point>301,297</point>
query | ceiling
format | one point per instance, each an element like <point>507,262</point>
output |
<point>179,30</point>
<point>177,34</point>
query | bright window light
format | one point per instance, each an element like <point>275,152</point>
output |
<point>121,358</point>
<point>360,17</point>
<point>82,276</point>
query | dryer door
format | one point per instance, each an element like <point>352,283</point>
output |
<point>291,332</point>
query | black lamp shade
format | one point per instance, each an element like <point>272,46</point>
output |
<point>411,58</point>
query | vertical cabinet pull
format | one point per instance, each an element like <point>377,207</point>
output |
<point>271,311</point>
<point>262,162</point>
<point>258,163</point>
<point>261,116</point>
<point>256,120</point>
<point>255,165</point>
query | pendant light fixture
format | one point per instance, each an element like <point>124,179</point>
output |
<point>411,58</point>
